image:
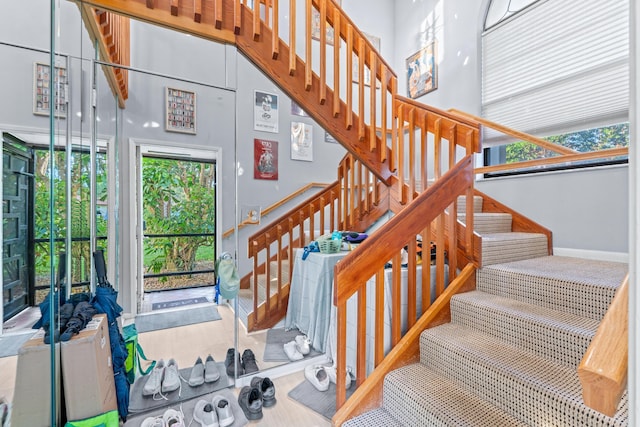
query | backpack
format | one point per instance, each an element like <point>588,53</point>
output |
<point>133,363</point>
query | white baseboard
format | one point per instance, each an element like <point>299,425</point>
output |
<point>591,254</point>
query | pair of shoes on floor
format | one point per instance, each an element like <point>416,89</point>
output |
<point>206,372</point>
<point>170,418</point>
<point>216,413</point>
<point>164,378</point>
<point>267,388</point>
<point>251,402</point>
<point>298,348</point>
<point>331,373</point>
<point>248,364</point>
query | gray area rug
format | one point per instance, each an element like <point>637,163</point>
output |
<point>276,339</point>
<point>10,344</point>
<point>177,303</point>
<point>172,319</point>
<point>322,402</point>
<point>139,403</point>
<point>187,406</point>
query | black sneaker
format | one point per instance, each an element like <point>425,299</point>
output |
<point>250,400</point>
<point>268,390</point>
<point>249,362</point>
<point>229,363</point>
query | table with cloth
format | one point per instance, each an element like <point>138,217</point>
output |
<point>311,308</point>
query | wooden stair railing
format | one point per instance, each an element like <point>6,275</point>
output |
<point>353,202</point>
<point>604,367</point>
<point>424,216</point>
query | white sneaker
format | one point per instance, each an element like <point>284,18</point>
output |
<point>154,382</point>
<point>223,408</point>
<point>153,422</point>
<point>291,350</point>
<point>205,413</point>
<point>332,374</point>
<point>317,376</point>
<point>171,379</point>
<point>303,344</point>
<point>173,418</point>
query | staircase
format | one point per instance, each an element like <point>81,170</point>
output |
<point>510,353</point>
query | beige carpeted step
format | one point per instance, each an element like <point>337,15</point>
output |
<point>534,390</point>
<point>498,248</point>
<point>557,336</point>
<point>573,285</point>
<point>477,203</point>
<point>489,222</point>
<point>374,418</point>
<point>417,396</point>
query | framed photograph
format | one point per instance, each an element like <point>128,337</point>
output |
<point>180,111</point>
<point>422,72</point>
<point>301,141</point>
<point>265,159</point>
<point>315,26</point>
<point>375,41</point>
<point>297,110</point>
<point>265,117</point>
<point>329,138</point>
<point>42,93</point>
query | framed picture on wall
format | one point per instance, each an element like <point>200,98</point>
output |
<point>301,141</point>
<point>422,72</point>
<point>315,26</point>
<point>265,111</point>
<point>265,159</point>
<point>375,41</point>
<point>180,110</point>
<point>43,95</point>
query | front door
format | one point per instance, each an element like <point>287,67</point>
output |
<point>17,214</point>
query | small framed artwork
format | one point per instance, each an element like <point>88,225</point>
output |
<point>297,110</point>
<point>315,26</point>
<point>422,72</point>
<point>301,141</point>
<point>42,93</point>
<point>180,110</point>
<point>375,41</point>
<point>329,138</point>
<point>265,111</point>
<point>265,159</point>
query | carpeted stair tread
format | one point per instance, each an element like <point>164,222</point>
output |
<point>498,248</point>
<point>489,222</point>
<point>573,285</point>
<point>375,418</point>
<point>477,203</point>
<point>417,396</point>
<point>555,335</point>
<point>527,386</point>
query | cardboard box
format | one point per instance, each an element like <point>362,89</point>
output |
<point>87,371</point>
<point>32,394</point>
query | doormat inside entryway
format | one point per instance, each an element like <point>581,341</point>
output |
<point>177,303</point>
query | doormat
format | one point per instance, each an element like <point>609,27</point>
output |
<point>139,403</point>
<point>10,344</point>
<point>172,319</point>
<point>322,402</point>
<point>177,303</point>
<point>274,347</point>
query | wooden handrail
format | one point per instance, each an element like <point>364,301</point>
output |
<point>603,369</point>
<point>276,205</point>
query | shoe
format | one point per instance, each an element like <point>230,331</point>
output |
<point>230,363</point>
<point>331,373</point>
<point>154,382</point>
<point>173,418</point>
<point>171,379</point>
<point>303,344</point>
<point>153,422</point>
<point>223,409</point>
<point>211,372</point>
<point>205,413</point>
<point>249,362</point>
<point>292,351</point>
<point>196,377</point>
<point>317,376</point>
<point>268,390</point>
<point>250,401</point>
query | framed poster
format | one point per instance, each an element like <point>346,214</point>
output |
<point>375,41</point>
<point>422,72</point>
<point>265,111</point>
<point>329,138</point>
<point>315,25</point>
<point>42,93</point>
<point>265,159</point>
<point>180,111</point>
<point>301,141</point>
<point>297,110</point>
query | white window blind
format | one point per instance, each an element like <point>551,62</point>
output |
<point>559,66</point>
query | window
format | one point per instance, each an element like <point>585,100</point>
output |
<point>558,70</point>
